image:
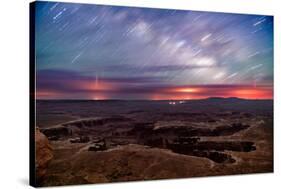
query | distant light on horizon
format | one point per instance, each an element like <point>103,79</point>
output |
<point>188,90</point>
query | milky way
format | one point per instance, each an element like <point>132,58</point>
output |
<point>88,51</point>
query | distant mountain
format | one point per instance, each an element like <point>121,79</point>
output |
<point>222,98</point>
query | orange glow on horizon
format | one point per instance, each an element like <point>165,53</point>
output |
<point>253,93</point>
<point>188,90</point>
<point>103,90</point>
<point>99,97</point>
<point>97,86</point>
<point>46,94</point>
<point>202,92</point>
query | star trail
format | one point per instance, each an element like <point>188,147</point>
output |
<point>86,51</point>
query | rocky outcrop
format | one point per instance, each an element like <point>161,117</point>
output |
<point>99,145</point>
<point>224,130</point>
<point>148,130</point>
<point>55,133</point>
<point>43,156</point>
<point>212,150</point>
<point>92,122</point>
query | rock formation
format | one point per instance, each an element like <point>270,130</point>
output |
<point>44,154</point>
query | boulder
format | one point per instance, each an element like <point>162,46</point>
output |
<point>43,156</point>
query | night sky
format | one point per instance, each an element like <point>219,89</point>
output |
<point>96,52</point>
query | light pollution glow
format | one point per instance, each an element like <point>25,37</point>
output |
<point>87,51</point>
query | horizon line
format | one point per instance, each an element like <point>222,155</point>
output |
<point>222,98</point>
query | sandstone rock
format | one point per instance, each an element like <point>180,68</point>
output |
<point>43,156</point>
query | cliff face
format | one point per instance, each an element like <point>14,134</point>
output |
<point>44,154</point>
